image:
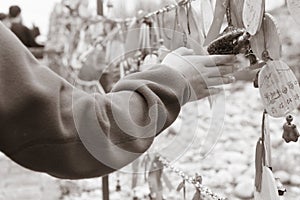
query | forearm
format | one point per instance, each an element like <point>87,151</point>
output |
<point>48,125</point>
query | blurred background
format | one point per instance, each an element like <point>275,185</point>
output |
<point>38,12</point>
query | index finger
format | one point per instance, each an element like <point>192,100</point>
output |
<point>183,51</point>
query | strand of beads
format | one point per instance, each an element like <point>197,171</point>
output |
<point>192,180</point>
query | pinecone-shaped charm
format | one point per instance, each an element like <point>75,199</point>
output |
<point>232,41</point>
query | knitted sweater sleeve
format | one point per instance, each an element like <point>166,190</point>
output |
<point>47,125</point>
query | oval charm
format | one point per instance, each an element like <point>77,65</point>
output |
<point>252,15</point>
<point>268,34</point>
<point>279,88</point>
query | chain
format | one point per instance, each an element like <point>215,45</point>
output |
<point>197,183</point>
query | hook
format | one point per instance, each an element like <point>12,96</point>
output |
<point>228,13</point>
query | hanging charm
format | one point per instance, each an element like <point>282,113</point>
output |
<point>214,31</point>
<point>279,88</point>
<point>266,43</point>
<point>290,131</point>
<point>118,186</point>
<point>233,40</point>
<point>182,187</point>
<point>253,15</point>
<point>265,183</point>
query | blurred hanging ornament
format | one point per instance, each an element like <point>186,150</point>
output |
<point>253,15</point>
<point>279,88</point>
<point>197,195</point>
<point>191,29</point>
<point>294,8</point>
<point>207,15</point>
<point>154,180</point>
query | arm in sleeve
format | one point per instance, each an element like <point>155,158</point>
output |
<point>47,125</point>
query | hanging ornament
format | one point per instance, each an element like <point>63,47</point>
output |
<point>265,183</point>
<point>118,186</point>
<point>154,180</point>
<point>233,42</point>
<point>253,15</point>
<point>135,169</point>
<point>182,187</point>
<point>214,31</point>
<point>236,7</point>
<point>279,88</point>
<point>197,195</point>
<point>267,39</point>
<point>207,15</point>
<point>290,131</point>
<point>132,33</point>
<point>192,31</point>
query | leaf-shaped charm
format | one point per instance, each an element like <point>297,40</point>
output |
<point>269,35</point>
<point>180,186</point>
<point>207,15</point>
<point>253,15</point>
<point>167,181</point>
<point>279,88</point>
<point>197,195</point>
<point>214,31</point>
<point>236,7</point>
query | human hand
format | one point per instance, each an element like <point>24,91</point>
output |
<point>203,72</point>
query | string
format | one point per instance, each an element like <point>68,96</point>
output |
<point>265,53</point>
<point>188,18</point>
<point>162,10</point>
<point>228,13</point>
